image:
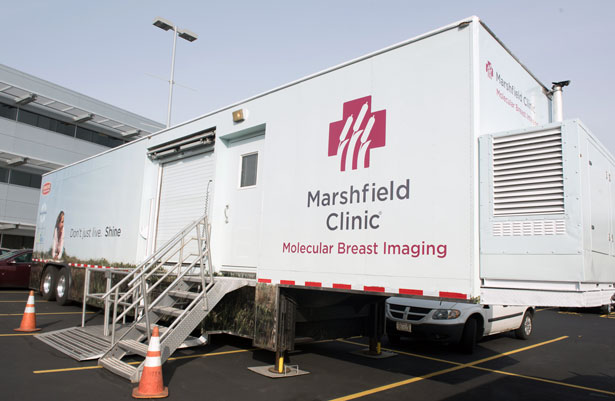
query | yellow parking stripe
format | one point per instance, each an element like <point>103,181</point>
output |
<point>539,379</point>
<point>14,292</point>
<point>18,334</point>
<point>138,362</point>
<point>444,371</point>
<point>49,313</point>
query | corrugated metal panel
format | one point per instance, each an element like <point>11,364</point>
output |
<point>183,193</point>
<point>528,175</point>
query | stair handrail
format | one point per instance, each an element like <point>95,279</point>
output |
<point>140,269</point>
<point>153,265</point>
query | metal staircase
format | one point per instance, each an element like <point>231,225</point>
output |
<point>174,288</point>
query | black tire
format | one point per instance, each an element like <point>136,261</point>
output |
<point>606,309</point>
<point>62,286</point>
<point>527,325</point>
<point>48,283</point>
<point>469,336</point>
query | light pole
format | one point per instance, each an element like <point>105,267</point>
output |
<point>182,33</point>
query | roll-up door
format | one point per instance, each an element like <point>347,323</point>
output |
<point>183,194</point>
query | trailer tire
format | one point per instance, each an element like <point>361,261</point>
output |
<point>62,287</point>
<point>525,330</point>
<point>469,336</point>
<point>48,283</point>
<point>606,309</point>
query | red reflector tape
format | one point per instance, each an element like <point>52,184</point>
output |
<point>373,289</point>
<point>287,282</point>
<point>452,295</point>
<point>312,284</point>
<point>264,280</point>
<point>410,292</point>
<point>342,286</point>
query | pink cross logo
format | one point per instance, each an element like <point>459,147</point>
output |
<point>489,69</point>
<point>359,131</point>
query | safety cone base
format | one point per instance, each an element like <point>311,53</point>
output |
<point>26,330</point>
<point>163,394</point>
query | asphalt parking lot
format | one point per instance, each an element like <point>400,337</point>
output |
<point>570,356</point>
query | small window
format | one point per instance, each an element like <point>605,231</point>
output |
<point>25,258</point>
<point>249,165</point>
<point>27,117</point>
<point>7,111</point>
<point>4,174</point>
<point>25,179</point>
<point>65,128</point>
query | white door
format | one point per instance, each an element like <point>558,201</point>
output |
<point>242,212</point>
<point>503,318</point>
<point>600,189</point>
<point>183,194</point>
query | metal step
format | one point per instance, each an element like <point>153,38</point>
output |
<point>168,310</point>
<point>77,343</point>
<point>134,347</point>
<point>183,294</point>
<point>141,328</point>
<point>120,368</point>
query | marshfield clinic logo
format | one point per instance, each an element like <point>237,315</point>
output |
<point>359,131</point>
<point>489,69</point>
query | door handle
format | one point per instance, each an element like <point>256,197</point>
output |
<point>226,214</point>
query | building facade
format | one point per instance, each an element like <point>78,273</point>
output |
<point>44,126</point>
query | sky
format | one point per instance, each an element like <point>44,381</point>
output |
<point>110,50</point>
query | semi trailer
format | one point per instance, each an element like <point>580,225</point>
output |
<point>436,168</point>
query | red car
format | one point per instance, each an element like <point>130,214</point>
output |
<point>15,268</point>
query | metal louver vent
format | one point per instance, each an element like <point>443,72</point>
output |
<point>528,176</point>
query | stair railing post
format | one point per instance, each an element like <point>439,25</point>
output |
<point>199,240</point>
<point>107,311</point>
<point>86,293</point>
<point>208,239</point>
<point>116,295</point>
<point>146,308</point>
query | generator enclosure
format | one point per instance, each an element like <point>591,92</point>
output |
<point>547,217</point>
<point>364,178</point>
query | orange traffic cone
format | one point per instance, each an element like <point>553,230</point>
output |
<point>151,385</point>
<point>28,322</point>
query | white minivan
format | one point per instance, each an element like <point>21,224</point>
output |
<point>454,322</point>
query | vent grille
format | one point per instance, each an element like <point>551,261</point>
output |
<point>528,175</point>
<point>529,228</point>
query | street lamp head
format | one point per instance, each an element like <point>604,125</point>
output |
<point>186,34</point>
<point>163,23</point>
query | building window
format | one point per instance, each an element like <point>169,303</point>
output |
<point>61,127</point>
<point>7,111</point>
<point>25,179</point>
<point>249,165</point>
<point>26,117</point>
<point>16,241</point>
<point>4,174</point>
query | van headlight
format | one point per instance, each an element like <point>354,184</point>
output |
<point>445,314</point>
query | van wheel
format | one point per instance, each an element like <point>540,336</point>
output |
<point>606,309</point>
<point>62,286</point>
<point>525,330</point>
<point>48,284</point>
<point>468,338</point>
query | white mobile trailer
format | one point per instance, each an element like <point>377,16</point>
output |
<point>365,178</point>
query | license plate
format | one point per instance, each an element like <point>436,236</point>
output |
<point>402,326</point>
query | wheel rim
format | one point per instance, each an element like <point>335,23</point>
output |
<point>61,287</point>
<point>47,284</point>
<point>527,326</point>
